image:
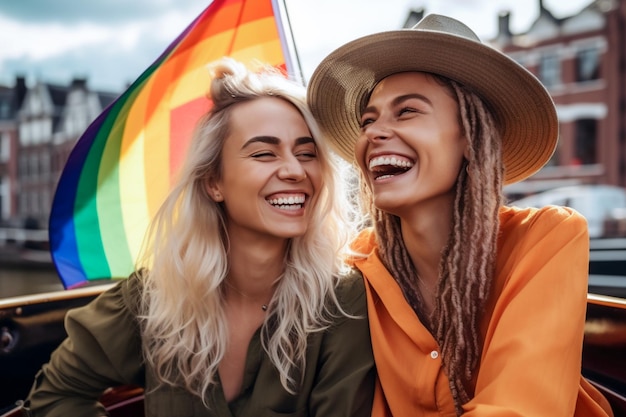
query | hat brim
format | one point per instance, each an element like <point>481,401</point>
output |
<point>522,108</point>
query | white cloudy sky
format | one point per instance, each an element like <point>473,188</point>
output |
<point>111,42</point>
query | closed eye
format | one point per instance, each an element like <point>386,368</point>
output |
<point>407,110</point>
<point>262,154</point>
<point>366,122</point>
<point>306,152</point>
<point>306,156</point>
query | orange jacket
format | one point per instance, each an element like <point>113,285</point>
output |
<point>532,330</point>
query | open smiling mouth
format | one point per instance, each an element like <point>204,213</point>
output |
<point>290,202</point>
<point>383,167</point>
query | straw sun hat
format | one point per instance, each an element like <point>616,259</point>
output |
<point>524,112</point>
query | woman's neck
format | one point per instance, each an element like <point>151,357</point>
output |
<point>255,268</point>
<point>425,234</point>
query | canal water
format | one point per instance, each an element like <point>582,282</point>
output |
<point>18,281</point>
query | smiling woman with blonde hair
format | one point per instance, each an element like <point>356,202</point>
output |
<point>243,306</point>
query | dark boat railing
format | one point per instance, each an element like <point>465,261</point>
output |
<point>32,327</point>
<point>604,348</point>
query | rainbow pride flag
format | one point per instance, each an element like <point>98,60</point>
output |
<point>121,168</point>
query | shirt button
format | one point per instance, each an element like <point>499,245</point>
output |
<point>434,354</point>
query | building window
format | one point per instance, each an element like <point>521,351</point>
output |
<point>44,163</point>
<point>22,167</point>
<point>38,131</point>
<point>5,110</point>
<point>33,167</point>
<point>5,147</point>
<point>4,199</point>
<point>25,133</point>
<point>555,159</point>
<point>586,142</point>
<point>23,207</point>
<point>550,70</point>
<point>32,203</point>
<point>45,202</point>
<point>587,64</point>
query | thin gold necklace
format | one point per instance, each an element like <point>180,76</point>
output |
<point>263,306</point>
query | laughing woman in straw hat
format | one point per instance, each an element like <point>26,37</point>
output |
<point>475,308</point>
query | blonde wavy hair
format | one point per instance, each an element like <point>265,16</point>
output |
<point>184,260</point>
<point>467,266</point>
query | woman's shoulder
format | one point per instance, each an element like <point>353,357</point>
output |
<point>542,218</point>
<point>350,291</point>
<point>125,295</point>
<point>542,232</point>
<point>365,241</point>
<point>132,287</point>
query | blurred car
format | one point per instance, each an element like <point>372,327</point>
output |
<point>615,224</point>
<point>597,203</point>
<point>604,206</point>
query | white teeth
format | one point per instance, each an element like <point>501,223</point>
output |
<point>292,207</point>
<point>393,161</point>
<point>287,200</point>
<point>288,203</point>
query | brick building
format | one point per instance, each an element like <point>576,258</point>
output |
<point>581,59</point>
<point>10,101</point>
<point>39,126</point>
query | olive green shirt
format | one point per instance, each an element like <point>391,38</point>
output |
<point>103,349</point>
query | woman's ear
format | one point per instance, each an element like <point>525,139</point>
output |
<point>214,190</point>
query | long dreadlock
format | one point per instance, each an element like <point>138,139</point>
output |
<point>466,270</point>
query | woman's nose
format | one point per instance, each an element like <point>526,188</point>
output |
<point>292,170</point>
<point>377,131</point>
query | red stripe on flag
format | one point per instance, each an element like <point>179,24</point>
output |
<point>183,122</point>
<point>226,16</point>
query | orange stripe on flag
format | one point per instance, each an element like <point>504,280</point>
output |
<point>183,121</point>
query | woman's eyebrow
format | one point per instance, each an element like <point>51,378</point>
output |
<point>273,140</point>
<point>417,96</point>
<point>304,140</point>
<point>402,98</point>
<point>270,140</point>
